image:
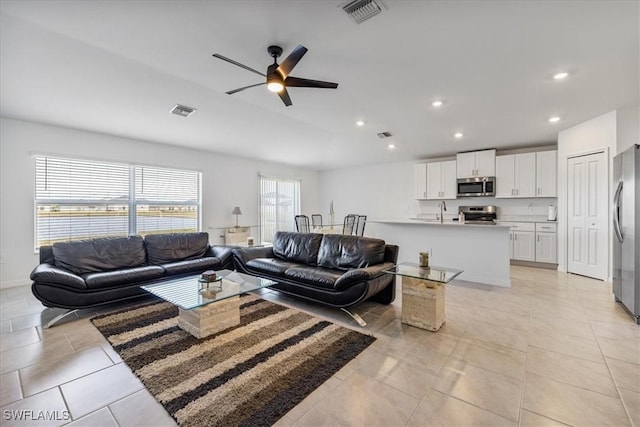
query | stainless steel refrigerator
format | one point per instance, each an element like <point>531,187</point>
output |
<point>626,228</point>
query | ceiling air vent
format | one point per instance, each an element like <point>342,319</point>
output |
<point>361,10</point>
<point>383,135</point>
<point>182,110</point>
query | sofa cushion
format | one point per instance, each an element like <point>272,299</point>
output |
<point>165,248</point>
<point>297,247</point>
<point>191,266</point>
<point>271,266</point>
<point>105,254</point>
<point>127,276</point>
<point>345,252</point>
<point>50,274</point>
<point>316,276</point>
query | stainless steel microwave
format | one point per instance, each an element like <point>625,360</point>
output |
<point>477,186</point>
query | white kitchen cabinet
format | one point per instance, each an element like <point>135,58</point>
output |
<point>546,243</point>
<point>524,246</point>
<point>476,163</point>
<point>516,175</point>
<point>441,180</point>
<point>521,240</point>
<point>420,181</point>
<point>546,173</point>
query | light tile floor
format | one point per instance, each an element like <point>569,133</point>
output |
<point>552,350</point>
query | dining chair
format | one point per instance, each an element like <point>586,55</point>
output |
<point>302,224</point>
<point>362,220</point>
<point>349,224</point>
<point>316,220</point>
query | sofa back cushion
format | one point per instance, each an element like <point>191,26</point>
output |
<point>297,247</point>
<point>104,254</point>
<point>345,252</point>
<point>165,248</point>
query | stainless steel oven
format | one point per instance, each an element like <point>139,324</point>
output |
<point>478,186</point>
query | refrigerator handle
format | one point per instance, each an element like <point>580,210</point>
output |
<point>616,213</point>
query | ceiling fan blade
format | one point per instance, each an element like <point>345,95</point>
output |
<point>224,58</point>
<point>291,61</point>
<point>231,92</point>
<point>284,95</point>
<point>298,82</point>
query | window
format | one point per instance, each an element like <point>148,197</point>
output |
<point>279,204</point>
<point>80,199</point>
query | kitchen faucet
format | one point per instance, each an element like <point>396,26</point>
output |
<point>443,206</point>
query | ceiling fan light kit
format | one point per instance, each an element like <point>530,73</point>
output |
<point>277,77</point>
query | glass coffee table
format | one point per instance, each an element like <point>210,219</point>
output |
<point>423,293</point>
<point>208,308</point>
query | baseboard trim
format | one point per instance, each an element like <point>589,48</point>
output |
<point>534,264</point>
<point>14,283</point>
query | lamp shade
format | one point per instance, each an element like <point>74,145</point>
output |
<point>236,211</point>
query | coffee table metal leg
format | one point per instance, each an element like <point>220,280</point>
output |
<point>207,320</point>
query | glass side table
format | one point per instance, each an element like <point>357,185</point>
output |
<point>423,293</point>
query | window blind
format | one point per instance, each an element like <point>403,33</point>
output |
<point>279,204</point>
<point>80,199</point>
<point>76,199</point>
<point>167,200</point>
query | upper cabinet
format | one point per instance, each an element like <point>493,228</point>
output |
<point>526,175</point>
<point>420,181</point>
<point>441,180</point>
<point>516,175</point>
<point>546,173</point>
<point>476,163</point>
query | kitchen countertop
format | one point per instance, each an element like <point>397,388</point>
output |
<point>446,223</point>
<point>524,218</point>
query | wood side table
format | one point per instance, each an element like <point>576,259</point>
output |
<point>423,294</point>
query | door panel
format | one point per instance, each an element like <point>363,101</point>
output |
<point>587,215</point>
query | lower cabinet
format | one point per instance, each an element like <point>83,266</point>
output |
<point>530,241</point>
<point>546,243</point>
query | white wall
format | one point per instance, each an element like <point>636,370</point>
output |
<point>379,191</point>
<point>227,181</point>
<point>628,127</point>
<point>591,136</point>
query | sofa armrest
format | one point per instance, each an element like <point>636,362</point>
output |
<point>50,274</point>
<point>362,274</point>
<point>244,255</point>
<point>223,253</point>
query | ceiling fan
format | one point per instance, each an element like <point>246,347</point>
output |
<point>277,77</point>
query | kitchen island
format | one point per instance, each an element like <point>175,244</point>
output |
<point>482,251</point>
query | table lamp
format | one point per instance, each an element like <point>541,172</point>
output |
<point>236,212</point>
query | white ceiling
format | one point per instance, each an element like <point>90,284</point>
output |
<point>118,67</point>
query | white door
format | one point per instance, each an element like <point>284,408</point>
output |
<point>505,176</point>
<point>587,215</point>
<point>525,182</point>
<point>546,248</point>
<point>466,165</point>
<point>420,181</point>
<point>524,246</point>
<point>486,163</point>
<point>434,181</point>
<point>449,183</point>
<point>546,166</point>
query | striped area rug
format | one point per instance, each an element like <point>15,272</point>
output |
<point>248,375</point>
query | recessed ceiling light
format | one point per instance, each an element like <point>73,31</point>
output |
<point>458,135</point>
<point>437,103</point>
<point>359,123</point>
<point>391,146</point>
<point>561,76</point>
<point>554,119</point>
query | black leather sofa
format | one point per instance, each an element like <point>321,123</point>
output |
<point>332,269</point>
<point>88,273</point>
